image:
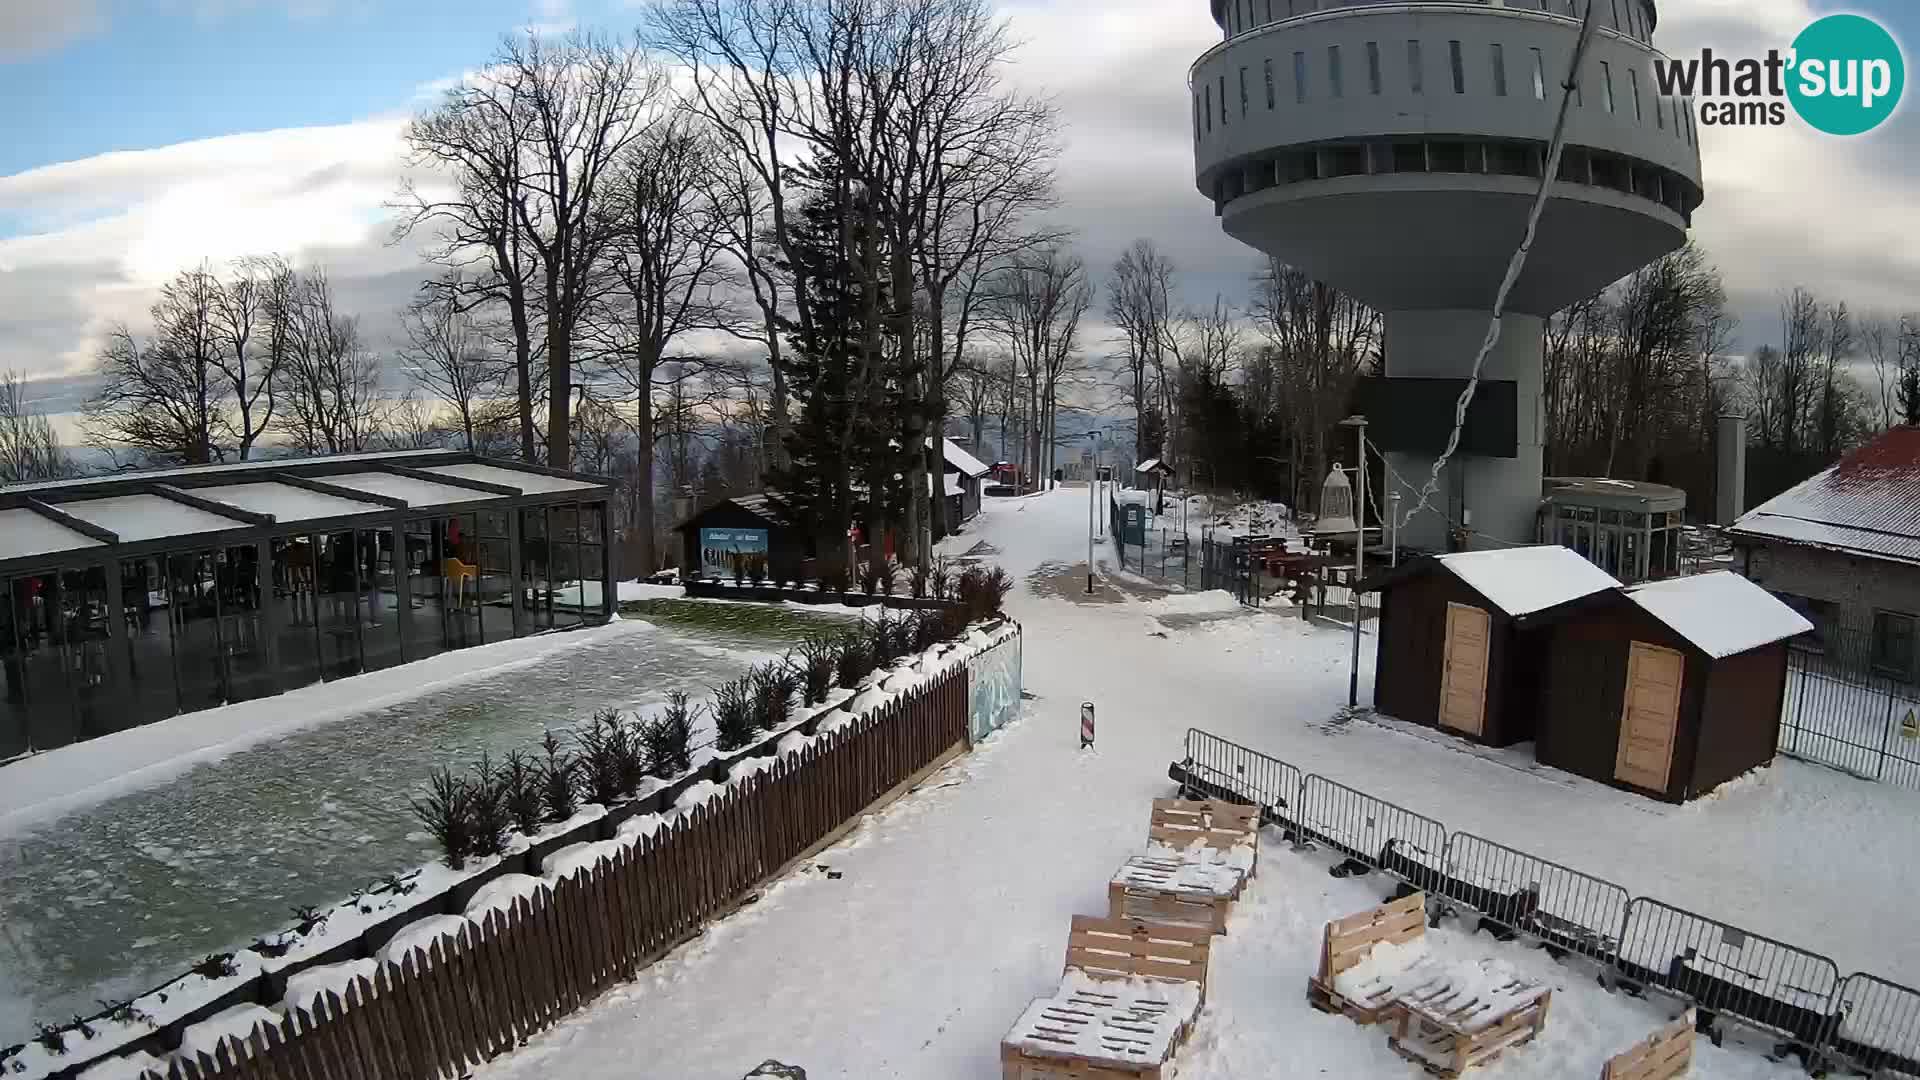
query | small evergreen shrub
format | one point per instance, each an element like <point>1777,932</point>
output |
<point>611,761</point>
<point>446,811</point>
<point>855,659</point>
<point>733,713</point>
<point>984,593</point>
<point>216,965</point>
<point>558,775</point>
<point>926,630</point>
<point>487,809</point>
<point>818,655</point>
<point>940,577</point>
<point>667,739</point>
<point>773,686</point>
<point>918,581</point>
<point>526,799</point>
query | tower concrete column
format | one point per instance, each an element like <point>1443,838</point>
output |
<point>1496,498</point>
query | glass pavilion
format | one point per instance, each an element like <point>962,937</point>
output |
<point>128,598</point>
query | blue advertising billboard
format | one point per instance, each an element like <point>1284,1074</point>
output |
<point>721,550</point>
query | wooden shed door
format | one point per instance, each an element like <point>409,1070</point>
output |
<point>1463,678</point>
<point>1648,720</point>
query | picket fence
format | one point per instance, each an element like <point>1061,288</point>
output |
<point>469,997</point>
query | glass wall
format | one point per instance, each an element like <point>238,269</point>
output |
<point>495,575</point>
<point>563,553</point>
<point>593,560</point>
<point>336,564</point>
<point>86,635</point>
<point>243,633</point>
<point>296,594</point>
<point>379,600</point>
<point>536,580</point>
<point>41,714</point>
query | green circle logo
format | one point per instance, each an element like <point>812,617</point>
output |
<point>1847,74</point>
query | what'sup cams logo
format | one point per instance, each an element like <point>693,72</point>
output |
<point>1844,75</point>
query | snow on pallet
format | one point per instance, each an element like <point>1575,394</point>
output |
<point>1128,997</point>
<point>1478,1014</point>
<point>1667,1054</point>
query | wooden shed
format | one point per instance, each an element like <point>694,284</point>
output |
<point>1670,688</point>
<point>1451,652</point>
<point>745,528</point>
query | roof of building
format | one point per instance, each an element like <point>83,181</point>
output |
<point>1576,489</point>
<point>767,506</point>
<point>962,460</point>
<point>1722,613</point>
<point>152,507</point>
<point>1523,580</point>
<point>953,485</point>
<point>1866,504</point>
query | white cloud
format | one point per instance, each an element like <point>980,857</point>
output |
<point>32,26</point>
<point>1784,206</point>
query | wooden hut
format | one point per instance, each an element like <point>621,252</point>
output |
<point>741,530</point>
<point>1451,652</point>
<point>964,478</point>
<point>1670,688</point>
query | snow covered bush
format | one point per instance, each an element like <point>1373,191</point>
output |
<point>611,760</point>
<point>446,812</point>
<point>733,713</point>
<point>984,593</point>
<point>773,686</point>
<point>886,639</point>
<point>558,774</point>
<point>856,659</point>
<point>927,630</point>
<point>520,777</point>
<point>667,739</point>
<point>940,578</point>
<point>817,658</point>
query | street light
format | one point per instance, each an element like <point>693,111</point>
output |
<point>1359,426</point>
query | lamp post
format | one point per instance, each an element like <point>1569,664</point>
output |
<point>1393,529</point>
<point>1359,426</point>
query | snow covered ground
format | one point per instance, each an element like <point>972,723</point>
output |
<point>908,949</point>
<point>125,859</point>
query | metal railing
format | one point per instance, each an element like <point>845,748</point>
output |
<point>1729,973</point>
<point>1841,710</point>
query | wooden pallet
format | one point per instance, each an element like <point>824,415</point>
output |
<point>1180,823</point>
<point>1109,949</point>
<point>1445,1049</point>
<point>1664,1055</point>
<point>1345,942</point>
<point>1170,891</point>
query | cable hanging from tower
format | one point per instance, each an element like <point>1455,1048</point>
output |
<point>1555,147</point>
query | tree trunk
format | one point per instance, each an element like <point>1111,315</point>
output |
<point>559,379</point>
<point>643,493</point>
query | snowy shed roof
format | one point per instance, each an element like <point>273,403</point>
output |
<point>286,502</point>
<point>1722,613</point>
<point>1524,580</point>
<point>148,517</point>
<point>413,492</point>
<point>24,533</point>
<point>528,483</point>
<point>962,460</point>
<point>1152,465</point>
<point>1867,503</point>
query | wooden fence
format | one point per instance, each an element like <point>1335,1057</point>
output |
<point>468,998</point>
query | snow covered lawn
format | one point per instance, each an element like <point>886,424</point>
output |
<point>910,948</point>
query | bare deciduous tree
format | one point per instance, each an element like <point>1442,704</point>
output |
<point>328,400</point>
<point>29,447</point>
<point>1140,305</point>
<point>451,356</point>
<point>1035,306</point>
<point>164,397</point>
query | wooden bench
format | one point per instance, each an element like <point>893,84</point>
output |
<point>1206,830</point>
<point>1346,942</point>
<point>1129,994</point>
<point>1664,1055</point>
<point>1174,891</point>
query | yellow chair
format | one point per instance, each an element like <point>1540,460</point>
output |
<point>457,574</point>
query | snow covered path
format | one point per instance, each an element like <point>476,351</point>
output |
<point>910,947</point>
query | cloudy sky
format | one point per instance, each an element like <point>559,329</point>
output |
<point>143,136</point>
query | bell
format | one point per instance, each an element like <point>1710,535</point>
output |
<point>1336,505</point>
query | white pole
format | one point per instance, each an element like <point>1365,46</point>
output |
<point>1393,528</point>
<point>1359,559</point>
<point>1092,483</point>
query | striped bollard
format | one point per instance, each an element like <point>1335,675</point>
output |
<point>1086,724</point>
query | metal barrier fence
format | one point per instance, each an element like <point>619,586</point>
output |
<point>1879,1026</point>
<point>1865,1022</point>
<point>1751,978</point>
<point>1840,711</point>
<point>1560,906</point>
<point>1410,846</point>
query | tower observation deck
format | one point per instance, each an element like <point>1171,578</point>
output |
<point>1393,150</point>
